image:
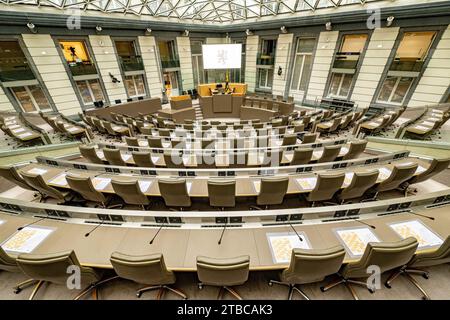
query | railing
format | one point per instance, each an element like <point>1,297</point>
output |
<point>81,69</point>
<point>175,63</point>
<point>406,65</point>
<point>15,69</point>
<point>132,63</point>
<point>346,60</point>
<point>265,59</point>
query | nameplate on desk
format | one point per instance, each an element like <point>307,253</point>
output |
<point>133,149</point>
<point>57,213</point>
<point>80,166</point>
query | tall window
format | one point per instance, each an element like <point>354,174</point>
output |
<point>197,62</point>
<point>345,64</point>
<point>135,85</point>
<point>31,98</point>
<point>265,78</point>
<point>302,64</point>
<point>264,64</point>
<point>90,90</point>
<point>408,62</point>
<point>238,75</point>
<point>168,54</point>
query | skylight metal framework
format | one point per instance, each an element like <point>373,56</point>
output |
<point>213,11</point>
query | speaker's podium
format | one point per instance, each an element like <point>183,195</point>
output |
<point>180,109</point>
<point>218,101</point>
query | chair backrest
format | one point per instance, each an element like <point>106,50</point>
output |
<point>7,263</point>
<point>289,139</point>
<point>90,154</point>
<point>222,193</point>
<point>309,138</point>
<point>11,174</point>
<point>146,131</point>
<point>272,191</point>
<point>132,141</point>
<point>223,272</point>
<point>386,255</point>
<point>154,142</point>
<point>114,157</point>
<point>335,124</point>
<point>164,132</point>
<point>436,166</point>
<point>302,156</point>
<point>174,192</point>
<point>355,149</point>
<point>429,259</point>
<point>361,182</point>
<point>173,159</point>
<point>130,192</point>
<point>52,267</point>
<point>306,120</point>
<point>37,182</point>
<point>142,159</point>
<point>144,269</point>
<point>313,265</point>
<point>326,186</point>
<point>329,153</point>
<point>344,124</point>
<point>107,125</point>
<point>84,186</point>
<point>299,127</point>
<point>399,174</point>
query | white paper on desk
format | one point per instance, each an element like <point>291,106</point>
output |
<point>344,150</point>
<point>26,240</point>
<point>144,185</point>
<point>2,222</point>
<point>14,126</point>
<point>317,154</point>
<point>437,111</point>
<point>189,186</point>
<point>100,154</point>
<point>421,128</point>
<point>154,158</point>
<point>434,119</point>
<point>115,128</point>
<point>282,243</point>
<point>72,129</point>
<point>414,228</point>
<point>257,185</point>
<point>37,171</point>
<point>8,123</point>
<point>348,178</point>
<point>101,183</point>
<point>384,173</point>
<point>373,124</point>
<point>355,240</point>
<point>18,130</point>
<point>420,169</point>
<point>125,157</point>
<point>428,123</point>
<point>142,143</point>
<point>10,118</point>
<point>307,183</point>
<point>59,180</point>
<point>26,134</point>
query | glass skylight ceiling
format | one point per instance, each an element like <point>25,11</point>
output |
<point>216,11</point>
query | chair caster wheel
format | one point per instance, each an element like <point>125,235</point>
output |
<point>322,289</point>
<point>371,291</point>
<point>270,284</point>
<point>387,285</point>
<point>185,298</point>
<point>200,286</point>
<point>138,294</point>
<point>17,290</point>
<point>426,276</point>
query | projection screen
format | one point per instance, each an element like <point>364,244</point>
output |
<point>222,56</point>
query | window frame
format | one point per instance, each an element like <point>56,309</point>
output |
<point>302,70</point>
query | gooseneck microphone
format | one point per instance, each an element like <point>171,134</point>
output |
<point>421,215</point>
<point>154,237</point>
<point>366,224</point>
<point>223,231</point>
<point>95,228</point>
<point>299,237</point>
<point>31,223</point>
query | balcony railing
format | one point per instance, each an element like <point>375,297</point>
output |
<point>265,59</point>
<point>15,70</point>
<point>132,63</point>
<point>407,65</point>
<point>170,63</point>
<point>346,60</point>
<point>82,69</point>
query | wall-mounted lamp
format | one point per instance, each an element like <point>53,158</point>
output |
<point>148,31</point>
<point>98,29</point>
<point>248,32</point>
<point>389,21</point>
<point>186,33</point>
<point>114,79</point>
<point>283,29</point>
<point>280,71</point>
<point>32,27</point>
<point>328,26</point>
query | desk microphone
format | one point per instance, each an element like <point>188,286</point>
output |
<point>98,225</point>
<point>299,238</point>
<point>223,231</point>
<point>31,223</point>
<point>421,215</point>
<point>366,224</point>
<point>154,237</point>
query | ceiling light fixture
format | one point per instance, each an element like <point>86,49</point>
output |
<point>32,27</point>
<point>148,31</point>
<point>186,33</point>
<point>98,28</point>
<point>389,21</point>
<point>248,32</point>
<point>283,29</point>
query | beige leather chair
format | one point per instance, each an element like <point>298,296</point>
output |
<point>355,149</point>
<point>154,142</point>
<point>174,192</point>
<point>164,132</point>
<point>422,260</point>
<point>148,269</point>
<point>222,193</point>
<point>114,157</point>
<point>436,166</point>
<point>361,182</point>
<point>223,273</point>
<point>130,192</point>
<point>90,154</point>
<point>309,266</point>
<point>399,174</point>
<point>309,138</point>
<point>52,268</point>
<point>329,154</point>
<point>142,159</point>
<point>132,141</point>
<point>301,156</point>
<point>289,140</point>
<point>38,183</point>
<point>84,186</point>
<point>326,186</point>
<point>146,131</point>
<point>10,173</point>
<point>386,255</point>
<point>272,192</point>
